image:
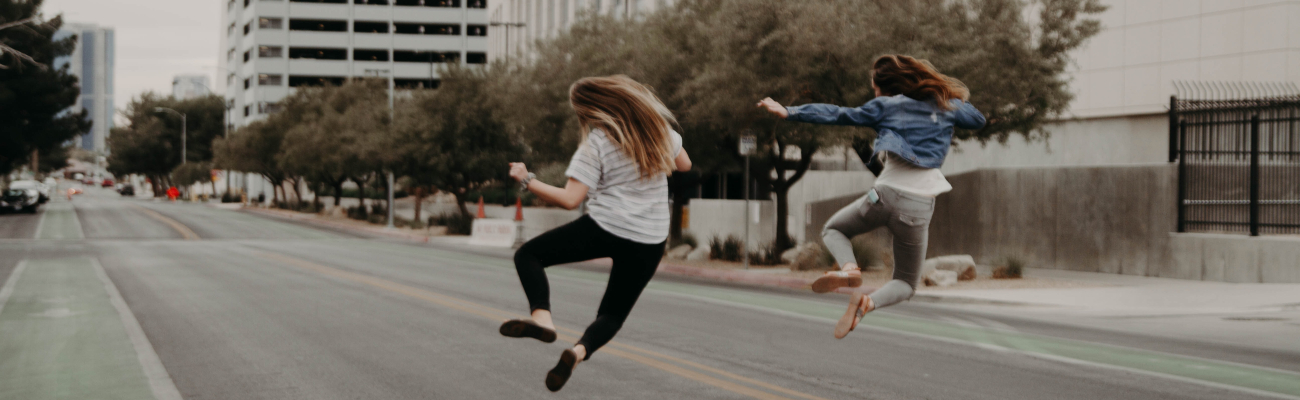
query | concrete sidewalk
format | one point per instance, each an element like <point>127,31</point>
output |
<point>1132,296</point>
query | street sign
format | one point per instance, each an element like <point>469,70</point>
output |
<point>747,145</point>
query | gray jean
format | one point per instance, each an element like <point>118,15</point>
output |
<point>906,215</point>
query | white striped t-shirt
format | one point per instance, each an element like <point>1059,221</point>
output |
<point>618,199</point>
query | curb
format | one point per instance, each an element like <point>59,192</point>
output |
<point>312,219</point>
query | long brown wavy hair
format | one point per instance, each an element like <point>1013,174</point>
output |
<point>898,74</point>
<point>631,115</point>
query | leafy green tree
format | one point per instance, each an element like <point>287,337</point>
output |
<point>34,96</point>
<point>329,129</point>
<point>150,143</point>
<point>254,148</point>
<point>456,134</point>
<point>192,173</point>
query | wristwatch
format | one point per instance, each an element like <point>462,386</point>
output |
<point>527,179</point>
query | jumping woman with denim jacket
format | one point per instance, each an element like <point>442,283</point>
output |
<point>914,113</point>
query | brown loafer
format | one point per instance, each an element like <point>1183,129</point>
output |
<point>859,305</point>
<point>563,370</point>
<point>522,328</point>
<point>837,279</point>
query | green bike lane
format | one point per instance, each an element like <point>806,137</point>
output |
<point>66,333</point>
<point>1223,374</point>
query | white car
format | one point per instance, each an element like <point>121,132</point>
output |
<point>41,189</point>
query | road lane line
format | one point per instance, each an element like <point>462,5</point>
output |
<point>159,381</point>
<point>614,348</point>
<point>180,228</point>
<point>40,223</point>
<point>8,288</point>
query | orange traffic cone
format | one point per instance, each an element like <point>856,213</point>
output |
<point>481,214</point>
<point>519,210</point>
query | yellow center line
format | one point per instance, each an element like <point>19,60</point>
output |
<point>614,348</point>
<point>180,228</point>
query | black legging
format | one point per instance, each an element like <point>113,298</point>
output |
<point>581,240</point>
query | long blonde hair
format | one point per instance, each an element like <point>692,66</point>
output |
<point>631,115</point>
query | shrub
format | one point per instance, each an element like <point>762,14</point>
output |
<point>416,224</point>
<point>456,223</point>
<point>357,212</point>
<point>377,219</point>
<point>1012,268</point>
<point>725,249</point>
<point>686,239</point>
<point>813,258</point>
<point>768,256</point>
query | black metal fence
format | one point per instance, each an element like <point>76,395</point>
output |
<point>1239,158</point>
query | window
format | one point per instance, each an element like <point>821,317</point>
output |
<point>269,80</point>
<point>370,55</point>
<point>246,3</point>
<point>318,53</point>
<point>248,55</point>
<point>425,56</point>
<point>371,2</point>
<point>476,58</point>
<point>416,83</point>
<point>248,82</point>
<point>246,111</point>
<point>270,23</point>
<point>230,55</point>
<point>230,31</point>
<point>476,4</point>
<point>323,25</point>
<point>427,29</point>
<point>270,52</point>
<point>320,1</point>
<point>230,5</point>
<point>268,107</point>
<point>369,27</point>
<point>248,28</point>
<point>428,3</point>
<point>296,81</point>
<point>476,30</point>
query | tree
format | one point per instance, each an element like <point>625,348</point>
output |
<point>189,174</point>
<point>150,143</point>
<point>329,132</point>
<point>34,96</point>
<point>254,149</point>
<point>457,132</point>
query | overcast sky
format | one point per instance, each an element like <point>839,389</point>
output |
<point>156,39</point>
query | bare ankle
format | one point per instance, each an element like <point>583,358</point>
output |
<point>581,351</point>
<point>849,267</point>
<point>543,317</point>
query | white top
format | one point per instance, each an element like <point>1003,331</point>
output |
<point>905,176</point>
<point>618,199</point>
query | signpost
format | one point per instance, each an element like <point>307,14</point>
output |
<point>747,146</point>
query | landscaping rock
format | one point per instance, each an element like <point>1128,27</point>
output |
<point>963,265</point>
<point>679,252</point>
<point>699,254</point>
<point>941,278</point>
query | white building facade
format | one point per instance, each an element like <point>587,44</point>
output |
<point>269,47</point>
<point>518,24</point>
<point>92,63</point>
<point>186,87</point>
<point>1124,76</point>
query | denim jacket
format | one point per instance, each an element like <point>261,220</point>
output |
<point>917,131</point>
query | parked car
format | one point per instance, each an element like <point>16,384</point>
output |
<point>126,190</point>
<point>16,200</point>
<point>106,183</point>
<point>43,191</point>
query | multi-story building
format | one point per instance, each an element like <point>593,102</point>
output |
<point>518,24</point>
<point>190,86</point>
<point>92,63</point>
<point>269,47</point>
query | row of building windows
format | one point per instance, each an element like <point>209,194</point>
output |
<point>317,53</point>
<point>321,25</point>
<point>297,80</point>
<point>230,5</point>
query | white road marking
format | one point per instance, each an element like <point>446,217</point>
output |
<point>8,288</point>
<point>159,381</point>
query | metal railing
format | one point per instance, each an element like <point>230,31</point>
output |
<point>1238,152</point>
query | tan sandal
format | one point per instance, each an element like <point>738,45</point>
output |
<point>837,279</point>
<point>859,305</point>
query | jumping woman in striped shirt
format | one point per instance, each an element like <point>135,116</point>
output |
<point>622,168</point>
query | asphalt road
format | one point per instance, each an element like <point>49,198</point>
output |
<point>237,306</point>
